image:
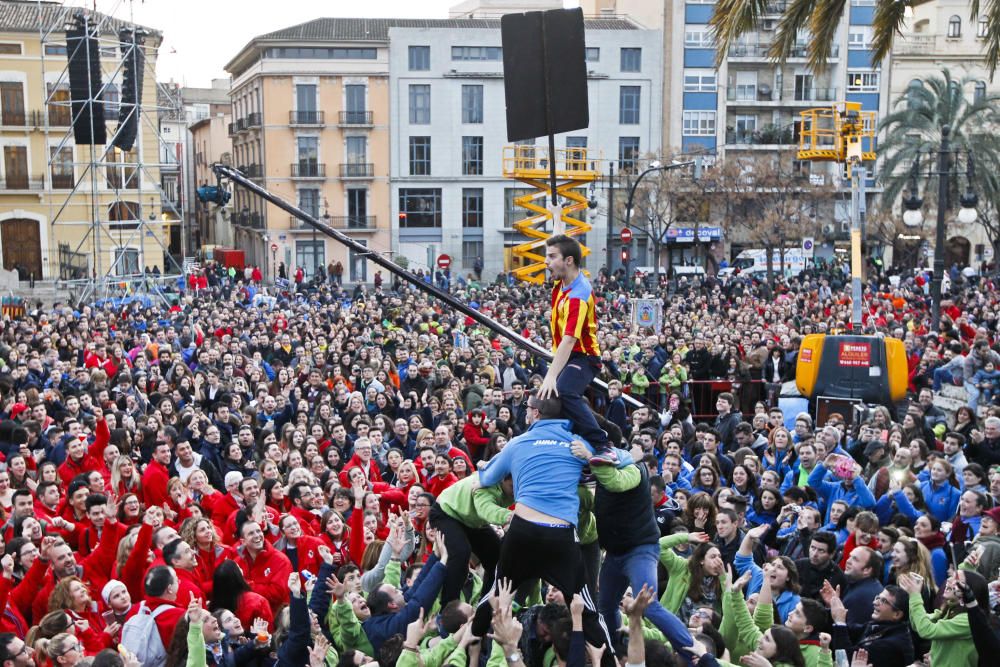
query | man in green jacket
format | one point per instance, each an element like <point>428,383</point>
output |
<point>465,515</point>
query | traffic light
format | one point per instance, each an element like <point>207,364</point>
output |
<point>625,255</point>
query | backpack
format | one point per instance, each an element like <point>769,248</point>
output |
<point>141,637</point>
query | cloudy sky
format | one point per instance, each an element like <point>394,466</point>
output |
<point>201,36</point>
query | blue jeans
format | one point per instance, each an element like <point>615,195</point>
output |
<point>574,379</point>
<point>973,391</point>
<point>635,568</point>
<point>942,375</point>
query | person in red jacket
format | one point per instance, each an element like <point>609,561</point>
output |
<point>82,459</point>
<point>336,535</point>
<point>476,432</point>
<point>72,596</point>
<point>160,586</point>
<point>233,593</point>
<point>302,549</point>
<point>265,568</point>
<point>181,556</point>
<point>301,497</point>
<point>202,535</point>
<point>362,458</point>
<point>156,476</point>
<point>57,560</point>
<point>443,477</point>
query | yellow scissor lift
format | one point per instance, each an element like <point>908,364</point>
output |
<point>530,165</point>
<point>836,134</point>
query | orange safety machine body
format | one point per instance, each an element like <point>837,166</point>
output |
<point>870,368</point>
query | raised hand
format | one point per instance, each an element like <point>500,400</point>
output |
<point>335,586</point>
<point>415,631</point>
<point>579,450</point>
<point>697,538</point>
<point>317,654</point>
<point>7,562</point>
<point>325,554</point>
<point>295,584</point>
<point>636,608</point>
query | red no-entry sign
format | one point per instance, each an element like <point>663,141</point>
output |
<point>626,235</point>
<point>443,261</point>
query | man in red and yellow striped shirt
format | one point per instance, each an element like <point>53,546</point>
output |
<point>577,357</point>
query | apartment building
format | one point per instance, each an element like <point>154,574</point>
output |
<point>448,131</point>
<point>310,108</point>
<point>940,35</point>
<point>65,210</point>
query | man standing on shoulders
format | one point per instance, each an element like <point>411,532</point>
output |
<point>576,355</point>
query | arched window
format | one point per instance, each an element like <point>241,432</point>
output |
<point>955,26</point>
<point>980,91</point>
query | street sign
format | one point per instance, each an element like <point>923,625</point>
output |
<point>626,235</point>
<point>274,247</point>
<point>443,261</point>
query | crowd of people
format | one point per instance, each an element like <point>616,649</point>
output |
<point>335,476</point>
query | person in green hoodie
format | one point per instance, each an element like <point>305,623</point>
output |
<point>947,628</point>
<point>465,515</point>
<point>693,580</point>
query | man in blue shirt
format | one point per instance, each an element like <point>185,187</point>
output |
<point>541,542</point>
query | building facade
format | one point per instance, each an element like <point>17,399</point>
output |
<point>448,132</point>
<point>940,35</point>
<point>310,123</point>
<point>65,210</point>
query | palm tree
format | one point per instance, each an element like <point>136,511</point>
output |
<point>912,134</point>
<point>733,18</point>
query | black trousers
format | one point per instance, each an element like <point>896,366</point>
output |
<point>461,542</point>
<point>551,553</point>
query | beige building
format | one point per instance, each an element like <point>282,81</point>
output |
<point>210,143</point>
<point>310,124</point>
<point>50,224</point>
<point>940,35</point>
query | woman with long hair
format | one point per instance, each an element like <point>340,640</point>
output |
<point>706,477</point>
<point>63,650</point>
<point>947,629</point>
<point>694,581</point>
<point>124,477</point>
<point>780,572</point>
<point>941,492</point>
<point>965,422</point>
<point>203,537</point>
<point>231,591</point>
<point>927,530</point>
<point>699,514</point>
<point>744,482</point>
<point>909,556</point>
<point>776,455</point>
<point>72,595</point>
<point>336,535</point>
<point>766,508</point>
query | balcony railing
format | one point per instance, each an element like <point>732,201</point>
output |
<point>816,95</point>
<point>767,136</point>
<point>234,127</point>
<point>256,220</point>
<point>13,119</point>
<point>306,118</point>
<point>761,51</point>
<point>338,221</point>
<point>252,120</point>
<point>308,170</point>
<point>253,170</point>
<point>355,118</point>
<point>357,170</point>
<point>58,116</point>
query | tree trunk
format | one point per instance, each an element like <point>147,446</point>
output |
<point>769,257</point>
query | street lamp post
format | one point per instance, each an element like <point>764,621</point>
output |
<point>655,166</point>
<point>912,216</point>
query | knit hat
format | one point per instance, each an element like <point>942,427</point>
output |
<point>993,514</point>
<point>233,477</point>
<point>17,409</point>
<point>109,588</point>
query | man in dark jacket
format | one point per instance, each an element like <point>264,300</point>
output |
<point>886,634</point>
<point>392,610</point>
<point>820,567</point>
<point>627,531</point>
<point>727,421</point>
<point>864,567</point>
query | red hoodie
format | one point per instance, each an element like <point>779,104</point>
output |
<point>374,474</point>
<point>267,574</point>
<point>475,436</point>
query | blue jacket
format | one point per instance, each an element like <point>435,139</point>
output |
<point>942,501</point>
<point>421,595</point>
<point>892,502</point>
<point>834,489</point>
<point>784,603</point>
<point>544,469</point>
